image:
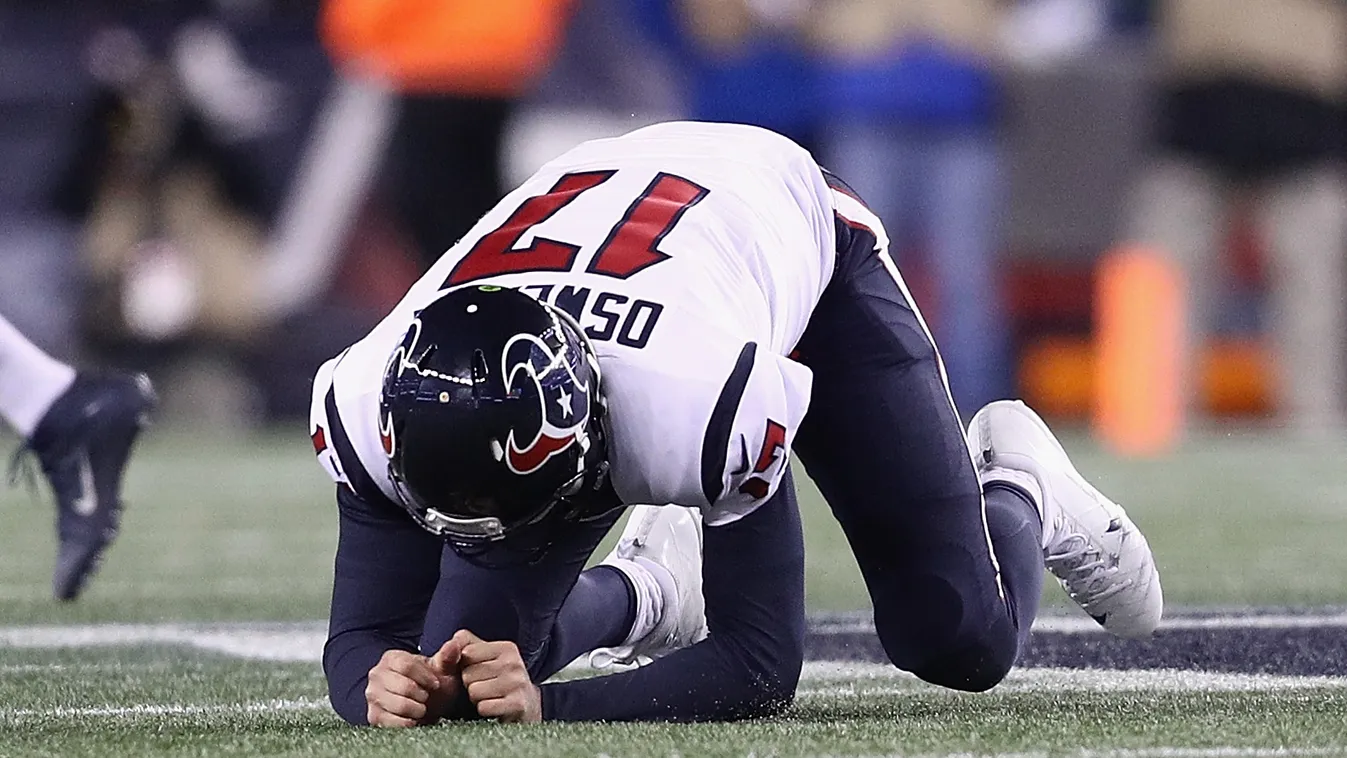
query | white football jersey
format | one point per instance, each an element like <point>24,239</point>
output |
<point>693,255</point>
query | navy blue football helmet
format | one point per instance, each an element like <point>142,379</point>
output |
<point>492,419</point>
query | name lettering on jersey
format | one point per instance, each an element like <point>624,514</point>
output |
<point>605,316</point>
<point>773,445</point>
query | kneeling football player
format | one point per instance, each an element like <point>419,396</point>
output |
<point>668,317</point>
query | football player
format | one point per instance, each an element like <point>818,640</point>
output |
<point>81,428</point>
<point>669,317</point>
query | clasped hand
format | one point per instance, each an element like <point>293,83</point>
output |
<point>406,689</point>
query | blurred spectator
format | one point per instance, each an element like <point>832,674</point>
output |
<point>162,183</point>
<point>1042,33</point>
<point>40,86</point>
<point>607,79</point>
<point>459,67</point>
<point>743,61</point>
<point>607,65</point>
<point>179,159</point>
<point>1250,119</point>
<point>908,95</point>
<point>1130,16</point>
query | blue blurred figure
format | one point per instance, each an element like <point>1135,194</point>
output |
<point>908,101</point>
<point>899,98</point>
<point>743,61</point>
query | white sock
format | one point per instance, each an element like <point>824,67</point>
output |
<point>650,594</point>
<point>30,380</point>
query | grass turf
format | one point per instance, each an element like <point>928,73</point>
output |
<point>244,529</point>
<point>63,704</point>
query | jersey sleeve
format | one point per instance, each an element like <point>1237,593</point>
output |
<point>344,423</point>
<point>708,425</point>
<point>320,426</point>
<point>747,444</point>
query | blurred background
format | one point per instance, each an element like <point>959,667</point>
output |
<point>1129,212</point>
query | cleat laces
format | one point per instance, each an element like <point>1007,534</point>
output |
<point>1087,573</point>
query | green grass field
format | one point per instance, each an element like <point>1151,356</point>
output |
<point>282,713</point>
<point>243,530</point>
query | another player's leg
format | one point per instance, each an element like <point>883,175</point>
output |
<point>1089,543</point>
<point>30,380</point>
<point>81,427</point>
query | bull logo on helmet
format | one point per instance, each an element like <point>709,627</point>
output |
<point>563,397</point>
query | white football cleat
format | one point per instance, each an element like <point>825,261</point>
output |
<point>1089,543</point>
<point>660,552</point>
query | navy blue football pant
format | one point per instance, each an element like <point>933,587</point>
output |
<point>954,573</point>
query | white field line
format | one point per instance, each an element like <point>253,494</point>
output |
<point>242,587</point>
<point>1211,752</point>
<point>84,668</point>
<point>833,679</point>
<point>1148,752</point>
<point>821,679</point>
<point>166,709</point>
<point>1083,625</point>
<point>301,643</point>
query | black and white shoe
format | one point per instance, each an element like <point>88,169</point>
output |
<point>83,443</point>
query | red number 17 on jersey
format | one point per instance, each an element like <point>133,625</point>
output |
<point>632,244</point>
